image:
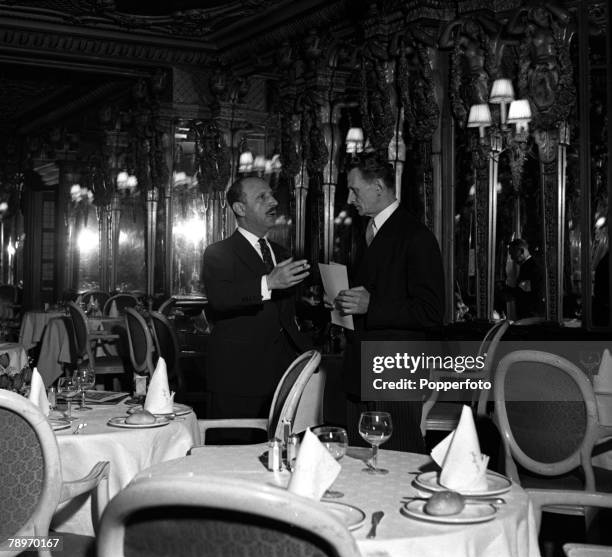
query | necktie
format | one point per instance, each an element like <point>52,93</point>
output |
<point>266,254</point>
<point>369,234</point>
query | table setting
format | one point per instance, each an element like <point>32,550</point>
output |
<point>386,511</point>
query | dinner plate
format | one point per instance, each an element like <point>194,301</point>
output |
<point>179,410</point>
<point>496,484</point>
<point>352,517</point>
<point>470,514</point>
<point>57,424</point>
<point>119,421</point>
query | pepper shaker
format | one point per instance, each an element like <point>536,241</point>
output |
<point>274,455</point>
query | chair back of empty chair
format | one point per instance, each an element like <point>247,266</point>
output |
<point>546,411</point>
<point>167,346</point>
<point>81,336</point>
<point>29,468</point>
<point>140,341</point>
<point>289,391</point>
<point>122,301</point>
<point>217,517</point>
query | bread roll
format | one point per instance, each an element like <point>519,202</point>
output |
<point>445,503</point>
<point>142,417</point>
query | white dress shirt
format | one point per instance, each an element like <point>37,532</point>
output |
<point>266,293</point>
<point>382,217</point>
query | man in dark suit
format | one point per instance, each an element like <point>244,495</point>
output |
<point>529,292</point>
<point>248,282</point>
<point>399,292</point>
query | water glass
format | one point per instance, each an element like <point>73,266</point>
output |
<point>335,440</point>
<point>68,387</point>
<point>85,379</point>
<point>375,428</point>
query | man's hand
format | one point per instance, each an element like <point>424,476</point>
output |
<point>287,273</point>
<point>354,301</point>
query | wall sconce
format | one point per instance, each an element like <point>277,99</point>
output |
<point>126,183</point>
<point>258,165</point>
<point>354,141</point>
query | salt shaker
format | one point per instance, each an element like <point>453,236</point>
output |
<point>274,455</point>
<point>293,446</point>
<point>52,397</point>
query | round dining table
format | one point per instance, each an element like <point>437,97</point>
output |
<point>129,451</point>
<point>511,533</point>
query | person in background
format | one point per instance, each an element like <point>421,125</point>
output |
<point>398,292</point>
<point>529,290</point>
<point>249,285</point>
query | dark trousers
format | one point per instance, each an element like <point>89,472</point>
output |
<point>406,418</point>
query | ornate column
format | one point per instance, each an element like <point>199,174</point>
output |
<point>152,197</point>
<point>333,142</point>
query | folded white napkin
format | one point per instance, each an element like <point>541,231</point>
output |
<point>113,311</point>
<point>464,467</point>
<point>159,399</point>
<point>315,469</point>
<point>38,393</point>
<point>602,382</point>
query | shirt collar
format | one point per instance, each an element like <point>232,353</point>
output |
<point>251,238</point>
<point>382,217</point>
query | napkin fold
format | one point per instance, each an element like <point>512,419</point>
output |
<point>315,469</point>
<point>464,467</point>
<point>113,311</point>
<point>38,393</point>
<point>602,381</point>
<point>159,399</point>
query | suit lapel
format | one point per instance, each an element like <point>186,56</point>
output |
<point>247,254</point>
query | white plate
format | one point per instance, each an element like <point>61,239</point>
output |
<point>179,410</point>
<point>496,484</point>
<point>119,421</point>
<point>57,424</point>
<point>352,517</point>
<point>470,514</point>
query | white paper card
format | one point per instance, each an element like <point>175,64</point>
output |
<point>335,279</point>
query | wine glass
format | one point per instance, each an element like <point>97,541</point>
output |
<point>85,379</point>
<point>375,428</point>
<point>335,440</point>
<point>68,387</point>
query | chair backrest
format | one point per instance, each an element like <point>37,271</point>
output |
<point>167,306</point>
<point>122,301</point>
<point>81,332</point>
<point>546,412</point>
<point>167,346</point>
<point>30,470</point>
<point>140,341</point>
<point>218,516</point>
<point>289,391</point>
<point>98,295</point>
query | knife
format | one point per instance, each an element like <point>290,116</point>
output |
<point>376,518</point>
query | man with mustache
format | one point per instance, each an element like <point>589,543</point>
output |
<point>398,291</point>
<point>249,285</point>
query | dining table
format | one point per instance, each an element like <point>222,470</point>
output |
<point>129,450</point>
<point>33,324</point>
<point>510,531</point>
<point>17,356</point>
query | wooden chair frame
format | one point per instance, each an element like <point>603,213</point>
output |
<point>145,365</point>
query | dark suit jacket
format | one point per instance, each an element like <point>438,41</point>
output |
<point>530,302</point>
<point>249,336</point>
<point>402,270</point>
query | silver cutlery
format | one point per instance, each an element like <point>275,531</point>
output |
<point>78,429</point>
<point>376,518</point>
<point>468,500</point>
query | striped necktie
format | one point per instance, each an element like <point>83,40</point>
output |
<point>266,254</point>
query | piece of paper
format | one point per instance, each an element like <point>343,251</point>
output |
<point>335,279</point>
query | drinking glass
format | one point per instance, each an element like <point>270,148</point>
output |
<point>375,428</point>
<point>335,440</point>
<point>85,379</point>
<point>68,387</point>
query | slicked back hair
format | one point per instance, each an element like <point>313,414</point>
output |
<point>372,166</point>
<point>235,193</point>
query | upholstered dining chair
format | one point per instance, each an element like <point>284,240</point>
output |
<point>167,346</point>
<point>444,416</point>
<point>122,301</point>
<point>111,366</point>
<point>218,517</point>
<point>31,484</point>
<point>285,402</point>
<point>140,342</point>
<point>546,413</point>
<point>545,498</point>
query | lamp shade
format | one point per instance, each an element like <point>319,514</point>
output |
<point>502,91</point>
<point>245,163</point>
<point>480,116</point>
<point>354,140</point>
<point>519,112</point>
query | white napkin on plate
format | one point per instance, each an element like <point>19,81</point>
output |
<point>315,469</point>
<point>602,382</point>
<point>159,399</point>
<point>38,393</point>
<point>113,311</point>
<point>464,467</point>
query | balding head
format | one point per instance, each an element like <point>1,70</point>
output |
<point>254,205</point>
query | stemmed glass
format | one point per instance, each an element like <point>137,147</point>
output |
<point>68,387</point>
<point>375,428</point>
<point>85,379</point>
<point>335,440</point>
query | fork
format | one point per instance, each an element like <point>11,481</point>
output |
<point>78,429</point>
<point>376,518</point>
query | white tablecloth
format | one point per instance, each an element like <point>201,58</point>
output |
<point>511,534</point>
<point>33,324</point>
<point>128,450</point>
<point>18,358</point>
